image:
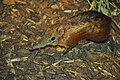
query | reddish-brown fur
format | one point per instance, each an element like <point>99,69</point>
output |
<point>90,25</point>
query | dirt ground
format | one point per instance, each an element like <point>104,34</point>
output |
<point>22,23</point>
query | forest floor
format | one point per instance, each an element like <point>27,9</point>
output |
<point>22,23</point>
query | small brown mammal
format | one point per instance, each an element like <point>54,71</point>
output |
<point>90,25</point>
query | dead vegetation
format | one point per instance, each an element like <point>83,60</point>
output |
<point>22,22</point>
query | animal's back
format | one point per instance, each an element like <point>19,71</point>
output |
<point>90,25</point>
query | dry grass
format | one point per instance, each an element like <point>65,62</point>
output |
<point>22,23</point>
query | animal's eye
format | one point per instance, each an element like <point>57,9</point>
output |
<point>53,38</point>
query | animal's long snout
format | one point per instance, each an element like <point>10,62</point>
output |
<point>37,46</point>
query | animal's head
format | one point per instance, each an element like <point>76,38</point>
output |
<point>51,37</point>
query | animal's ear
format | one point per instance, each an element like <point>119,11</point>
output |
<point>61,31</point>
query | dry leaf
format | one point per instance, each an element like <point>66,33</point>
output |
<point>9,2</point>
